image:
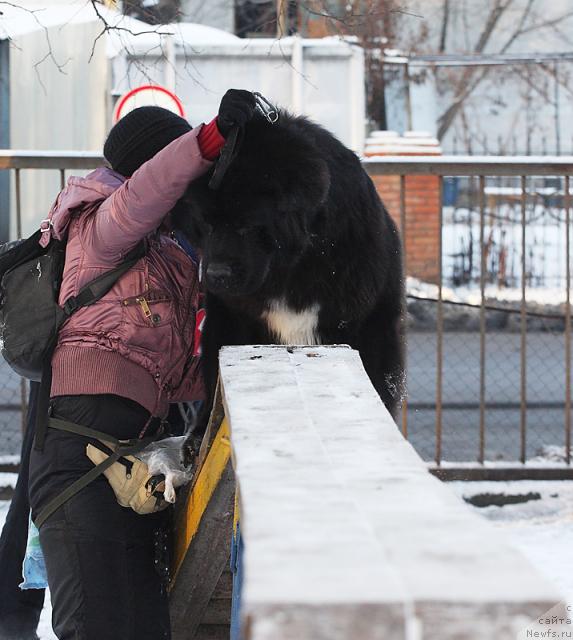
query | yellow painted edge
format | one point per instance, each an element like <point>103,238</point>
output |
<point>199,498</point>
<point>237,512</point>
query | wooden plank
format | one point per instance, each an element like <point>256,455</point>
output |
<point>205,561</point>
<point>203,530</point>
<point>218,611</point>
<point>213,457</point>
<point>212,632</point>
<point>369,544</point>
<point>224,588</point>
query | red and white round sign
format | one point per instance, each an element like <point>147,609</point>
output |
<point>148,95</point>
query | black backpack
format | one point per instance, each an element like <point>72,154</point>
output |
<point>30,316</point>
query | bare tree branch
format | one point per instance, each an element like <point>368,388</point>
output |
<point>50,55</point>
<point>470,79</point>
<point>465,86</point>
<point>520,27</point>
<point>107,27</point>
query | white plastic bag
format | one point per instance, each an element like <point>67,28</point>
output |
<point>164,458</point>
<point>34,567</point>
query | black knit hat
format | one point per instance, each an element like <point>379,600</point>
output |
<point>139,135</point>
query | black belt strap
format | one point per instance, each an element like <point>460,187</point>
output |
<point>79,429</point>
<point>125,448</point>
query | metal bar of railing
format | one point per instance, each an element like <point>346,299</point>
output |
<point>389,165</point>
<point>404,267</point>
<point>62,178</point>
<point>470,166</point>
<point>523,330</point>
<point>481,455</point>
<point>15,159</point>
<point>23,404</point>
<point>18,204</point>
<point>567,321</point>
<point>23,391</point>
<point>440,329</point>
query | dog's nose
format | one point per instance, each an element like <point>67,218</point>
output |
<point>218,271</point>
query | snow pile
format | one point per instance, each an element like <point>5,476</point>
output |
<point>545,242</point>
<point>540,529</point>
<point>551,453</point>
<point>471,295</point>
<point>8,480</point>
<point>544,307</point>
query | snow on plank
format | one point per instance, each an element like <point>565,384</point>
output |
<point>347,535</point>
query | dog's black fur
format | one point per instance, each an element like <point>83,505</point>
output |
<point>297,219</point>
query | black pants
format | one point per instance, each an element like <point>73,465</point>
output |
<point>19,610</point>
<point>100,557</point>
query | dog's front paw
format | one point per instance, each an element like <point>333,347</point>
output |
<point>190,450</point>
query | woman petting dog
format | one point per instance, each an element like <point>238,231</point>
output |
<point>118,365</point>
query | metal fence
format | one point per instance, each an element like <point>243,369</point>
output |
<point>13,389</point>
<point>495,385</point>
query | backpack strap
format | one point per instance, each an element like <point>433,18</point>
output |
<point>98,287</point>
<point>89,294</point>
<point>43,407</point>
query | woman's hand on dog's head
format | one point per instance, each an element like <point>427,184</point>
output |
<point>236,109</point>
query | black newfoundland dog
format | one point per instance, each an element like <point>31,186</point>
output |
<point>297,248</point>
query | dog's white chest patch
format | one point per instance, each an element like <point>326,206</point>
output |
<point>292,327</point>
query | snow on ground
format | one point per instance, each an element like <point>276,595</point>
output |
<point>471,295</point>
<point>541,529</point>
<point>8,479</point>
<point>45,627</point>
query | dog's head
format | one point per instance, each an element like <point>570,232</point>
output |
<point>260,220</point>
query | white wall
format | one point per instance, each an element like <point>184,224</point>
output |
<point>328,86</point>
<point>55,109</point>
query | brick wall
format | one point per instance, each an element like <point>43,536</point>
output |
<point>422,202</point>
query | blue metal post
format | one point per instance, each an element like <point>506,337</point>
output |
<point>237,569</point>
